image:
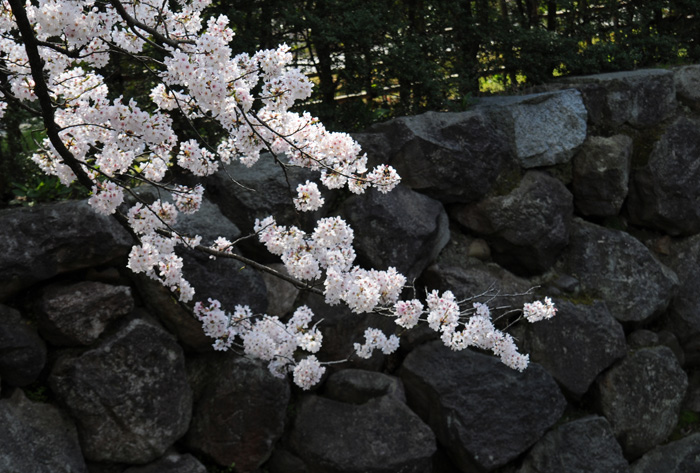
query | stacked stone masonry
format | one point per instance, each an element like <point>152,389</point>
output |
<point>588,190</point>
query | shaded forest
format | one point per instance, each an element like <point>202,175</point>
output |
<point>373,60</point>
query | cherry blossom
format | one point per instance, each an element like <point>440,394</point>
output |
<point>109,142</point>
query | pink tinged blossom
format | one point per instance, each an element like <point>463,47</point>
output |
<point>222,244</point>
<point>391,283</point>
<point>384,178</point>
<point>481,310</point>
<point>310,341</point>
<point>300,320</point>
<point>308,197</point>
<point>362,291</point>
<point>308,372</point>
<point>198,161</point>
<point>443,311</point>
<point>334,286</point>
<point>146,219</point>
<point>408,313</point>
<point>376,339</point>
<point>188,200</point>
<point>538,310</point>
<point>106,197</point>
<point>142,258</point>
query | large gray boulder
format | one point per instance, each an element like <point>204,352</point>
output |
<point>380,436</point>
<point>359,386</point>
<point>601,175</point>
<point>484,413</point>
<point>37,438</point>
<point>683,315</point>
<point>584,445</point>
<point>613,266</point>
<point>664,193</point>
<point>543,129</point>
<point>641,396</point>
<point>576,345</point>
<point>55,239</point>
<point>452,157</point>
<point>129,395</point>
<point>527,228</point>
<point>402,228</point>
<point>687,82</point>
<point>239,410</point>
<point>681,456</point>
<point>22,351</point>
<point>641,98</point>
<point>77,314</point>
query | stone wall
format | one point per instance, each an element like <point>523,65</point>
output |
<point>587,190</point>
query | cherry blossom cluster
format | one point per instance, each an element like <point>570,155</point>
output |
<point>115,140</point>
<point>539,310</point>
<point>268,339</point>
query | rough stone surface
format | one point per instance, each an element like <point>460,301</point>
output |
<point>227,280</point>
<point>129,395</point>
<point>664,193</point>
<point>613,266</point>
<point>601,175</point>
<point>22,351</point>
<point>527,228</point>
<point>576,345</point>
<point>681,456</point>
<point>641,397</point>
<point>174,317</point>
<point>544,129</point>
<point>359,386</point>
<point>382,435</point>
<point>585,445</point>
<point>692,397</point>
<point>239,410</point>
<point>77,314</point>
<point>452,157</point>
<point>280,293</point>
<point>687,82</point>
<point>37,438</point>
<point>639,98</point>
<point>484,413</point>
<point>171,463</point>
<point>402,228</point>
<point>56,238</point>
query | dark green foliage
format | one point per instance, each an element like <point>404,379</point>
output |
<point>374,60</point>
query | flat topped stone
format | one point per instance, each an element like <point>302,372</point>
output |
<point>545,128</point>
<point>640,98</point>
<point>55,238</point>
<point>452,157</point>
